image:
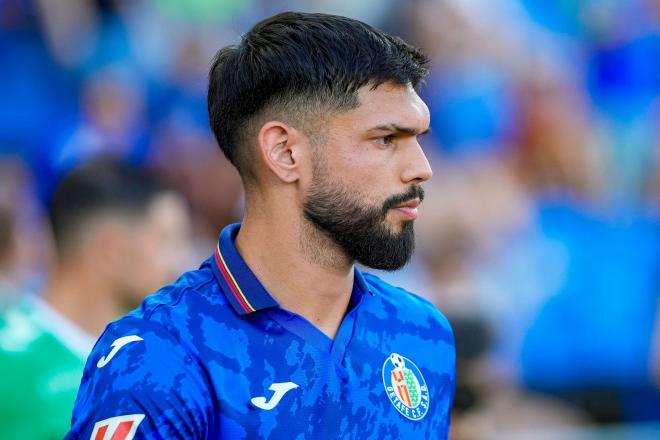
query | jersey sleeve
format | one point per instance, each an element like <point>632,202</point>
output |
<point>140,382</point>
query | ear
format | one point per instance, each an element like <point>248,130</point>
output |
<point>281,150</point>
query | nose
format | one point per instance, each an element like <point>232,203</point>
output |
<point>417,168</point>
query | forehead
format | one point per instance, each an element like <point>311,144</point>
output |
<point>389,103</point>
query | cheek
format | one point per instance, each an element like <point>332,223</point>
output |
<point>166,252</point>
<point>144,267</point>
<point>365,170</point>
<point>359,165</point>
<point>136,266</point>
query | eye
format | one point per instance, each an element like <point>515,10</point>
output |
<point>385,140</point>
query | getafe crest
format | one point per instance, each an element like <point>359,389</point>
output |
<point>405,387</point>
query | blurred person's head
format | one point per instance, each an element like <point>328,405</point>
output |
<point>121,224</point>
<point>26,251</point>
<point>651,190</point>
<point>320,116</point>
<point>485,403</point>
<point>112,122</point>
<point>185,156</point>
<point>556,153</point>
<point>113,102</point>
<point>473,340</point>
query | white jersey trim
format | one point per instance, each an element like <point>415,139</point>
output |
<point>66,331</point>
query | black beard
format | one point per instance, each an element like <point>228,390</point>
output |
<point>360,231</point>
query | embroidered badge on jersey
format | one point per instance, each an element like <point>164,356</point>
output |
<point>117,428</point>
<point>405,387</point>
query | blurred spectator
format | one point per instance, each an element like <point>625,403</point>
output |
<point>119,236</point>
<point>188,159</point>
<point>30,252</point>
<point>589,340</point>
<point>553,264</point>
<point>485,406</point>
<point>112,123</point>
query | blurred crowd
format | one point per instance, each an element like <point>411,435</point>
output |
<point>539,237</point>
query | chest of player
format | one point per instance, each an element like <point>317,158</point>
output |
<point>282,378</point>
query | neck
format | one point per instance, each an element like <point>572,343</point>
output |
<point>83,297</point>
<point>305,272</point>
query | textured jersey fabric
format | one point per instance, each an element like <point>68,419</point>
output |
<point>213,356</point>
<point>41,362</point>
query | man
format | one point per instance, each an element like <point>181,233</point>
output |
<point>278,335</point>
<point>107,220</point>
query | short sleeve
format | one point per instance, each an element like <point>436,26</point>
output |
<point>141,382</point>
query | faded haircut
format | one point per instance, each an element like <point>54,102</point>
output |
<point>299,67</point>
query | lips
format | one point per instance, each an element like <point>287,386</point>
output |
<point>413,204</point>
<point>408,209</point>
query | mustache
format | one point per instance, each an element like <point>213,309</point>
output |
<point>415,192</point>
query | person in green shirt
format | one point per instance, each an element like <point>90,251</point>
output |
<point>112,227</point>
<point>42,355</point>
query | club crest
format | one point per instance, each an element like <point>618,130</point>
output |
<point>405,387</point>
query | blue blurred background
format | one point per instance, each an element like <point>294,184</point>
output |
<point>540,235</point>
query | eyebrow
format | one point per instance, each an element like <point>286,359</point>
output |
<point>400,129</point>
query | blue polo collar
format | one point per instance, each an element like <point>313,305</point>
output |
<point>241,287</point>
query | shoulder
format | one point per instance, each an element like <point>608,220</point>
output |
<point>191,289</point>
<point>135,359</point>
<point>162,327</point>
<point>405,305</point>
<point>178,310</point>
<point>141,372</point>
<point>146,364</point>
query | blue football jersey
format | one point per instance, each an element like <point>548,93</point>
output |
<point>213,356</point>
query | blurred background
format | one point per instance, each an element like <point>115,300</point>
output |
<point>539,238</point>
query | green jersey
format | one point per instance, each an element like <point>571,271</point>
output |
<point>42,355</point>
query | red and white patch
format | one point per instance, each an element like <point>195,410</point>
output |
<point>117,428</point>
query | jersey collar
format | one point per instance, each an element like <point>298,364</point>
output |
<point>243,290</point>
<point>241,287</point>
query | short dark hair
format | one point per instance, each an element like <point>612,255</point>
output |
<point>96,189</point>
<point>304,64</point>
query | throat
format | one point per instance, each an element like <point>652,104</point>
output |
<point>328,327</point>
<point>301,269</point>
<point>318,249</point>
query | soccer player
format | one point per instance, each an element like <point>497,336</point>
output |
<point>107,219</point>
<point>278,334</point>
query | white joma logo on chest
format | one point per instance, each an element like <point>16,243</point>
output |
<point>280,390</point>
